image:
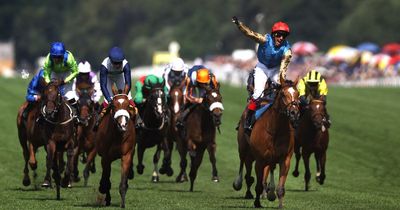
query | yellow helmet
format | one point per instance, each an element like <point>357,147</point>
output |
<point>203,76</point>
<point>313,76</point>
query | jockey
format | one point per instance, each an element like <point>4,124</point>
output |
<point>273,55</point>
<point>143,87</point>
<point>60,64</point>
<point>33,92</point>
<point>313,85</point>
<point>87,76</point>
<point>199,77</point>
<point>175,73</point>
<point>114,69</point>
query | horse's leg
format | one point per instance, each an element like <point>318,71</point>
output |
<point>259,168</point>
<point>284,167</point>
<point>56,171</point>
<point>105,183</point>
<point>249,179</point>
<point>298,156</point>
<point>26,181</point>
<point>32,157</point>
<point>195,164</point>
<point>211,149</point>
<point>166,166</point>
<point>156,157</point>
<point>182,177</point>
<point>321,157</point>
<point>126,165</point>
<point>89,163</point>
<point>50,150</point>
<point>270,189</point>
<point>307,175</point>
<point>237,183</point>
<point>75,162</point>
<point>69,172</point>
<point>140,151</point>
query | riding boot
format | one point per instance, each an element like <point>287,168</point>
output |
<point>181,119</point>
<point>250,119</point>
<point>27,110</point>
<point>103,112</point>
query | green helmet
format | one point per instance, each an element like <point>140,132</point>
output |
<point>152,80</point>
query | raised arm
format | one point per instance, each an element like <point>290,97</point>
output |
<point>285,63</point>
<point>259,38</point>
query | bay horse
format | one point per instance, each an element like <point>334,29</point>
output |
<point>201,125</point>
<point>115,139</point>
<point>30,136</point>
<point>175,105</point>
<point>312,137</point>
<point>272,139</point>
<point>58,129</point>
<point>154,132</point>
<point>87,116</point>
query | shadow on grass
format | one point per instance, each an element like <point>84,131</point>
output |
<point>27,189</point>
<point>94,205</point>
<point>42,199</point>
<point>301,190</point>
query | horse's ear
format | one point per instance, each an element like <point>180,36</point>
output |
<point>78,92</point>
<point>114,89</point>
<point>126,89</point>
<point>43,82</point>
<point>296,81</point>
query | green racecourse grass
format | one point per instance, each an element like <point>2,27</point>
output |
<point>362,164</point>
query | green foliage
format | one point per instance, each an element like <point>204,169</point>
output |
<point>90,28</point>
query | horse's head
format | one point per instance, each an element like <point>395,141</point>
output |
<point>176,97</point>
<point>288,97</point>
<point>52,99</point>
<point>120,108</point>
<point>85,105</point>
<point>213,100</point>
<point>156,101</point>
<point>317,112</point>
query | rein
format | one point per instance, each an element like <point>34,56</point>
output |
<point>57,123</point>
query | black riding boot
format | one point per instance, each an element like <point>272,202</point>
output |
<point>27,110</point>
<point>250,119</point>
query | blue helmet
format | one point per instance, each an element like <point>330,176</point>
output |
<point>57,49</point>
<point>116,55</point>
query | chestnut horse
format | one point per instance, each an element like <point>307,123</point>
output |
<point>154,132</point>
<point>312,137</point>
<point>31,137</point>
<point>272,139</point>
<point>115,139</point>
<point>201,125</point>
<point>87,116</point>
<point>175,105</point>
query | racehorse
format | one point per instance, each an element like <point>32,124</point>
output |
<point>58,128</point>
<point>154,133</point>
<point>175,105</point>
<point>312,137</point>
<point>85,135</point>
<point>201,125</point>
<point>272,140</point>
<point>243,138</point>
<point>30,136</point>
<point>115,139</point>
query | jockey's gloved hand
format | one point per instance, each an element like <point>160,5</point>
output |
<point>235,20</point>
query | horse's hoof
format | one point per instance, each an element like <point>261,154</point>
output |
<point>215,179</point>
<point>170,171</point>
<point>257,203</point>
<point>69,185</point>
<point>139,169</point>
<point>320,180</point>
<point>295,173</point>
<point>46,184</point>
<point>249,195</point>
<point>26,182</point>
<point>237,185</point>
<point>155,179</point>
<point>76,179</point>
<point>93,169</point>
<point>181,178</point>
<point>271,196</point>
<point>131,174</point>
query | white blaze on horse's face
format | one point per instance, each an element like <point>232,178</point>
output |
<point>176,105</point>
<point>317,106</point>
<point>291,91</point>
<point>159,105</point>
<point>121,101</point>
<point>214,94</point>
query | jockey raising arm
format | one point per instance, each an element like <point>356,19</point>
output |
<point>273,55</point>
<point>60,64</point>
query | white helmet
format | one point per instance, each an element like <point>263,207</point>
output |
<point>84,67</point>
<point>178,64</point>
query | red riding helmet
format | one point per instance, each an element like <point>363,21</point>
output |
<point>280,26</point>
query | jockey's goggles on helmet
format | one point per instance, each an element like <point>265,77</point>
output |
<point>116,63</point>
<point>312,84</point>
<point>280,34</point>
<point>57,56</point>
